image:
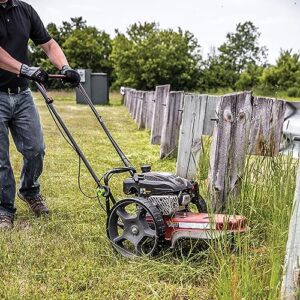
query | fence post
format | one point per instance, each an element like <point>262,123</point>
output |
<point>132,102</point>
<point>125,102</point>
<point>211,114</point>
<point>190,135</point>
<point>171,124</point>
<point>229,147</point>
<point>291,273</point>
<point>142,111</point>
<point>266,126</point>
<point>150,106</point>
<point>161,94</point>
<point>129,100</point>
<point>127,96</point>
<point>137,105</point>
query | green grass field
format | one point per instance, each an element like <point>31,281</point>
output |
<point>67,255</point>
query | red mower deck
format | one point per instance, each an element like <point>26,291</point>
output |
<point>202,226</point>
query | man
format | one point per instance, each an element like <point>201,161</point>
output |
<point>19,22</point>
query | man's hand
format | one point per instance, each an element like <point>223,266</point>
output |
<point>33,73</point>
<point>72,76</point>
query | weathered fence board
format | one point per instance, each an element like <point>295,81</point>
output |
<point>150,98</point>
<point>132,102</point>
<point>171,124</point>
<point>211,114</point>
<point>137,105</point>
<point>240,140</point>
<point>161,94</point>
<point>142,111</point>
<point>291,273</point>
<point>266,126</point>
<point>229,147</point>
<point>126,97</point>
<point>190,135</point>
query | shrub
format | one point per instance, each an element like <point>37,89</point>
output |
<point>293,92</point>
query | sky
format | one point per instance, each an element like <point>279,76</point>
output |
<point>209,20</point>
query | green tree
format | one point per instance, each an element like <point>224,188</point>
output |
<point>85,47</point>
<point>238,63</point>
<point>68,28</point>
<point>146,56</point>
<point>285,74</point>
<point>60,34</point>
<point>89,48</point>
<point>249,78</point>
<point>215,75</point>
<point>242,49</point>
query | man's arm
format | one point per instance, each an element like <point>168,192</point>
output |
<point>58,59</point>
<point>55,54</point>
<point>8,63</point>
<point>51,48</point>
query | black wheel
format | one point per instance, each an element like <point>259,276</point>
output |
<point>135,227</point>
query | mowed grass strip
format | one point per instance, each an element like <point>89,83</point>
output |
<point>67,255</point>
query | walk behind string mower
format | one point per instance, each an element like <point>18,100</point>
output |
<point>156,211</point>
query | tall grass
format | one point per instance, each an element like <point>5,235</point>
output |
<point>253,270</point>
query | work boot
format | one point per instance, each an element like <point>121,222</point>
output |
<point>6,222</point>
<point>36,204</point>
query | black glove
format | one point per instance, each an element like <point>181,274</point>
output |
<point>72,76</point>
<point>33,73</point>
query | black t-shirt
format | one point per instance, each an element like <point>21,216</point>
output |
<point>19,22</point>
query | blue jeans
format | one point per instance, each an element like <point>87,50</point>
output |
<point>19,115</point>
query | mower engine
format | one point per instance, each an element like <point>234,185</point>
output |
<point>160,212</point>
<point>166,191</point>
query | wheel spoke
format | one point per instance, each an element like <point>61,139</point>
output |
<point>141,218</point>
<point>138,246</point>
<point>150,233</point>
<point>144,224</point>
<point>123,214</point>
<point>119,239</point>
<point>144,246</point>
<point>120,224</point>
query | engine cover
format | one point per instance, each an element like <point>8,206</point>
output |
<point>155,183</point>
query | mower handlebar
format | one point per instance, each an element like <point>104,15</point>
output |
<point>56,76</point>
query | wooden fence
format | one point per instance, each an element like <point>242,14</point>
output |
<point>240,124</point>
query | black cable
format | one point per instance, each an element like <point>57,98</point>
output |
<point>101,205</point>
<point>78,180</point>
<point>84,194</point>
<point>60,130</point>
